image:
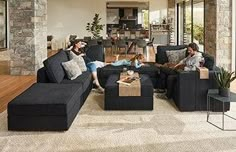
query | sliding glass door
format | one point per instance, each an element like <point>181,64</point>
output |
<point>180,8</point>
<point>198,23</point>
<point>184,22</point>
<point>3,24</point>
<point>187,22</point>
<point>190,21</point>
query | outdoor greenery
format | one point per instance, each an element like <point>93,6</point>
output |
<point>145,19</point>
<point>198,29</point>
<point>198,33</point>
<point>224,78</point>
<point>95,27</point>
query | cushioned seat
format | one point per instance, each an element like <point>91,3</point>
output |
<point>84,79</point>
<point>115,102</point>
<point>152,71</point>
<point>41,107</point>
<point>112,85</point>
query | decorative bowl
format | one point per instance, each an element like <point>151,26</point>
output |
<point>130,72</point>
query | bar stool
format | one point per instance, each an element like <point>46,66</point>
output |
<point>121,43</point>
<point>140,43</point>
<point>107,43</point>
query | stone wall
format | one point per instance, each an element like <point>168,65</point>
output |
<point>218,31</point>
<point>28,32</point>
<point>171,20</point>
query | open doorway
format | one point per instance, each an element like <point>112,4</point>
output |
<point>128,19</point>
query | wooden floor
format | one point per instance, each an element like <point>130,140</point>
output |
<point>12,86</point>
<point>4,67</point>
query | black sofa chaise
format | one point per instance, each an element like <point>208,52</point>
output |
<point>54,101</point>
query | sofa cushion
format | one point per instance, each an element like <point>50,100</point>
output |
<point>161,57</point>
<point>95,52</point>
<point>112,87</point>
<point>46,99</point>
<point>151,70</point>
<point>174,56</point>
<point>85,79</point>
<point>72,69</point>
<point>79,60</point>
<point>54,67</point>
<point>209,61</point>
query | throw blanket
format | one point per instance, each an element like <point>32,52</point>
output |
<point>134,89</point>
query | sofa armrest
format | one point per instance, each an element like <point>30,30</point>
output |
<point>202,86</point>
<point>191,91</point>
<point>185,91</point>
<point>42,76</point>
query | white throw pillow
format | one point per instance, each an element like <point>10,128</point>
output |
<point>79,60</point>
<point>174,56</point>
<point>72,69</point>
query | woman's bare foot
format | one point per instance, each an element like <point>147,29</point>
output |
<point>100,90</point>
<point>117,57</point>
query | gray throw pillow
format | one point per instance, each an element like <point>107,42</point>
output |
<point>72,69</point>
<point>79,60</point>
<point>174,56</point>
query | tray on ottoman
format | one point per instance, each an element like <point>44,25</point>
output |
<point>115,102</point>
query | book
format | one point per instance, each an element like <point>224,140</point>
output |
<point>127,80</point>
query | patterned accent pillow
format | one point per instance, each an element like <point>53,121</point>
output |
<point>79,60</point>
<point>72,69</point>
<point>175,56</point>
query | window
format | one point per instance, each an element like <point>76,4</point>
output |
<point>3,24</point>
<point>198,23</point>
<point>190,22</point>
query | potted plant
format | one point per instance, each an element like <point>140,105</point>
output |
<point>95,27</point>
<point>223,79</point>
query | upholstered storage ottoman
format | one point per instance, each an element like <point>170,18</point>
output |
<point>45,106</point>
<point>115,102</point>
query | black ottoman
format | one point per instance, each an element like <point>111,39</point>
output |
<point>45,107</point>
<point>115,102</point>
<point>152,71</point>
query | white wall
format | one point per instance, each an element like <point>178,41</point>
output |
<point>67,17</point>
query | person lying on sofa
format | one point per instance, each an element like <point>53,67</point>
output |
<point>136,61</point>
<point>190,63</point>
<point>91,65</point>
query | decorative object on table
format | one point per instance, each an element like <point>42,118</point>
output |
<point>125,69</point>
<point>126,80</point>
<point>95,28</point>
<point>224,78</point>
<point>130,72</point>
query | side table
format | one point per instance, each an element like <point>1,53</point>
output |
<point>213,94</point>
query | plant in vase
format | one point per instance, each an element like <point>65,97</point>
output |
<point>223,79</point>
<point>95,27</point>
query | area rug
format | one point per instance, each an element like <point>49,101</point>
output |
<point>164,129</point>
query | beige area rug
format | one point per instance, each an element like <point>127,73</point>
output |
<point>164,129</point>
